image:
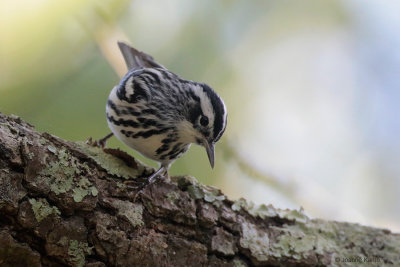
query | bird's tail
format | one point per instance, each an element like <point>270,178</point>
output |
<point>136,59</point>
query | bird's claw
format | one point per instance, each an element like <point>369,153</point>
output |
<point>99,143</point>
<point>149,181</point>
<point>96,143</point>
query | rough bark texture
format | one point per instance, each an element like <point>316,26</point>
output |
<point>68,204</point>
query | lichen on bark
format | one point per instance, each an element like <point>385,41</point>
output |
<point>66,203</point>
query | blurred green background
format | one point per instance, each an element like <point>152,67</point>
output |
<point>311,87</point>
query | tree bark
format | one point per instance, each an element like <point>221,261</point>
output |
<point>70,204</point>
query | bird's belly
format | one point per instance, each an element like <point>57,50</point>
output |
<point>145,146</point>
<point>124,132</point>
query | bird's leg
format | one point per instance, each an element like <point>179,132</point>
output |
<point>162,170</point>
<point>99,143</point>
<point>102,142</point>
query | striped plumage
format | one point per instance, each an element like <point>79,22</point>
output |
<point>159,114</point>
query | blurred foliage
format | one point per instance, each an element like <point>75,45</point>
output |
<point>54,73</point>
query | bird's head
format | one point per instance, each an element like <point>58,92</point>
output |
<point>207,117</point>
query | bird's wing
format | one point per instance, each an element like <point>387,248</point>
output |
<point>135,59</point>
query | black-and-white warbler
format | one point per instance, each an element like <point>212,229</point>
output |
<point>159,114</point>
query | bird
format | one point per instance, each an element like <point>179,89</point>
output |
<point>159,114</point>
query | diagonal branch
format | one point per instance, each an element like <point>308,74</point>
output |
<point>66,203</point>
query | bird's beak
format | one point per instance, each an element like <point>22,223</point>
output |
<point>210,152</point>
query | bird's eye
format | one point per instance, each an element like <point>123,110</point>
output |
<point>204,120</point>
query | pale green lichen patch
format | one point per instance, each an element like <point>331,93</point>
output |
<point>110,163</point>
<point>242,204</point>
<point>263,211</point>
<point>293,243</point>
<point>197,191</point>
<point>212,194</point>
<point>76,250</point>
<point>67,174</point>
<point>41,208</point>
<point>78,194</point>
<point>132,212</point>
<point>83,188</point>
<point>61,184</point>
<point>371,241</point>
<point>301,239</point>
<point>94,191</point>
<point>294,215</point>
<point>257,242</point>
<point>340,240</point>
<point>62,171</point>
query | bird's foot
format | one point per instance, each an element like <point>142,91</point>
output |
<point>144,182</point>
<point>135,184</point>
<point>160,174</point>
<point>99,143</point>
<point>92,142</point>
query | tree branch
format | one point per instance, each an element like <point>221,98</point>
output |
<point>65,203</point>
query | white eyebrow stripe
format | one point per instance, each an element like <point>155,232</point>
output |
<point>206,105</point>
